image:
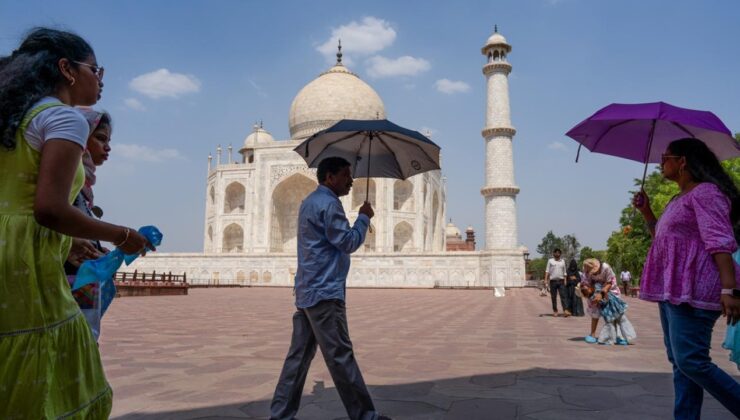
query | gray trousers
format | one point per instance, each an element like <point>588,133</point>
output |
<point>324,324</point>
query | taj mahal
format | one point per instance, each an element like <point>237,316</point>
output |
<point>253,195</point>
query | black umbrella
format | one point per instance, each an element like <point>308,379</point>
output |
<point>376,149</point>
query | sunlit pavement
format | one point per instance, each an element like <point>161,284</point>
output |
<point>425,354</point>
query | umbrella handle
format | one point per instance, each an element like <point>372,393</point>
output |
<point>647,161</point>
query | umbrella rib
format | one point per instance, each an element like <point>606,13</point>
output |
<point>684,129</point>
<point>377,135</point>
<point>357,155</point>
<point>389,134</point>
<point>330,144</point>
<point>426,155</point>
<point>608,130</point>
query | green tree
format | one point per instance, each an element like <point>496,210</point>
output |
<point>588,252</point>
<point>549,243</point>
<point>537,267</point>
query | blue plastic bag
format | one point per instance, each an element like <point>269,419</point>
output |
<point>103,269</point>
<point>732,338</point>
<point>732,343</point>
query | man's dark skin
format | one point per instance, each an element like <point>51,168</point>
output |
<point>341,183</point>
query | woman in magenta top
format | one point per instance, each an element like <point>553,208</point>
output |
<point>690,271</point>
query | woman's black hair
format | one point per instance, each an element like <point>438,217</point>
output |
<point>704,166</point>
<point>32,72</point>
<point>105,120</point>
<point>573,267</point>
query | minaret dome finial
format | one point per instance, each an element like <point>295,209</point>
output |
<point>339,53</point>
<point>495,28</point>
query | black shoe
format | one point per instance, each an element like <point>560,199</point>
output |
<point>384,418</point>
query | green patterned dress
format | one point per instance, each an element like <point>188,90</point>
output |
<point>49,363</point>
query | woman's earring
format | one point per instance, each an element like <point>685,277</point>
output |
<point>72,81</point>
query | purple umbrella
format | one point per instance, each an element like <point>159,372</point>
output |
<point>642,132</point>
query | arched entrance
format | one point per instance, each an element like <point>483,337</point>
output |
<point>233,238</point>
<point>286,201</point>
<point>234,198</point>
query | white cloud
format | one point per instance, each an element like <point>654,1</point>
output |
<point>556,145</point>
<point>359,38</point>
<point>134,104</point>
<point>163,83</point>
<point>451,86</point>
<point>379,66</point>
<point>141,153</point>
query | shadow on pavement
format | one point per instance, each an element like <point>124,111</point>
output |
<point>527,394</point>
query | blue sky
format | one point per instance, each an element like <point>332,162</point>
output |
<point>231,63</point>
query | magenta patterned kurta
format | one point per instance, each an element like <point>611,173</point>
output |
<point>680,267</point>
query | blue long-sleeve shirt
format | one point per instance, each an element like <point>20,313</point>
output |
<point>325,240</point>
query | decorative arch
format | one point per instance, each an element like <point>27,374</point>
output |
<point>241,277</point>
<point>403,195</point>
<point>402,237</point>
<point>359,192</point>
<point>495,56</point>
<point>233,238</point>
<point>234,198</point>
<point>286,201</point>
<point>212,195</point>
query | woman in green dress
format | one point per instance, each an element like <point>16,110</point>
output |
<point>49,364</point>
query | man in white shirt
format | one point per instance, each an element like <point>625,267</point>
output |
<point>626,278</point>
<point>555,274</point>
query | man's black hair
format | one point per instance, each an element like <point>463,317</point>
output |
<point>557,250</point>
<point>331,165</point>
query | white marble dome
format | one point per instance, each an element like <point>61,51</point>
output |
<point>495,39</point>
<point>451,231</point>
<point>258,137</point>
<point>335,95</point>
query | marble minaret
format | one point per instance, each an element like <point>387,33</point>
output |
<point>500,190</point>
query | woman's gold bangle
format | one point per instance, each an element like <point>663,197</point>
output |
<point>128,232</point>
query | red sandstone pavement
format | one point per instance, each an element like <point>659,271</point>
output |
<point>425,354</point>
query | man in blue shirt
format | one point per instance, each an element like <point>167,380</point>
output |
<point>325,240</point>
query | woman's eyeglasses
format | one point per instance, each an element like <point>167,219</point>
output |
<point>97,70</point>
<point>665,157</point>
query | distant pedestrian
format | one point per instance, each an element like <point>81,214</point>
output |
<point>617,328</point>
<point>626,278</point>
<point>325,241</point>
<point>595,271</point>
<point>574,303</point>
<point>555,276</point>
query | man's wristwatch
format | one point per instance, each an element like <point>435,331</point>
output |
<point>731,292</point>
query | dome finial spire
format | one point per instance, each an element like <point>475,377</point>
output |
<point>339,53</point>
<point>495,28</point>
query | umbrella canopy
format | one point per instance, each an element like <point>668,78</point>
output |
<point>375,148</point>
<point>642,132</point>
